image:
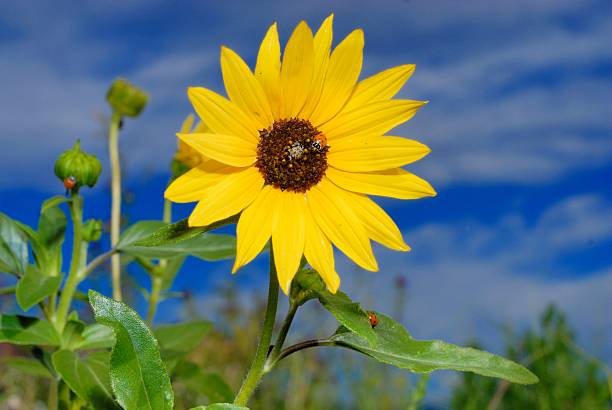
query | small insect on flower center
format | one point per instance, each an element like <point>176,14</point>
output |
<point>292,155</point>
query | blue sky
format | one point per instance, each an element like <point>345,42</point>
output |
<point>519,122</point>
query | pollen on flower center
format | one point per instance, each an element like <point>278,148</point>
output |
<point>292,155</point>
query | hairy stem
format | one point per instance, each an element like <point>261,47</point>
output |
<point>256,371</point>
<point>113,146</point>
<point>280,339</point>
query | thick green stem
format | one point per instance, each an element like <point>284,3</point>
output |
<point>76,213</point>
<point>256,371</point>
<point>280,339</point>
<point>113,146</point>
<point>156,288</point>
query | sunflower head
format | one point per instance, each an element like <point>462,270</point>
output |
<point>296,149</point>
<point>292,155</point>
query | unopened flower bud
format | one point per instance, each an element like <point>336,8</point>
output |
<point>76,168</point>
<point>92,230</point>
<point>306,284</point>
<point>126,99</point>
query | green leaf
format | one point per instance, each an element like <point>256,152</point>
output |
<point>51,231</point>
<point>172,267</point>
<point>88,377</point>
<point>24,330</point>
<point>349,314</point>
<point>220,406</point>
<point>138,375</point>
<point>181,338</point>
<point>144,239</point>
<point>55,201</point>
<point>13,247</point>
<point>95,336</point>
<point>138,231</point>
<point>26,365</point>
<point>181,231</point>
<point>35,286</point>
<point>396,347</point>
<point>197,380</point>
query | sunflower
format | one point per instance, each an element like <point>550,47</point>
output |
<point>297,148</point>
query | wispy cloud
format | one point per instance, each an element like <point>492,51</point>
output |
<point>515,89</point>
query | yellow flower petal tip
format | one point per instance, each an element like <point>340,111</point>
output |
<point>296,147</point>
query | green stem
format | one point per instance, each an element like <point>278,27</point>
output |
<point>280,339</point>
<point>256,371</point>
<point>7,290</point>
<point>76,213</point>
<point>53,399</point>
<point>156,288</point>
<point>157,281</point>
<point>97,261</point>
<point>167,216</point>
<point>113,146</point>
<point>306,345</point>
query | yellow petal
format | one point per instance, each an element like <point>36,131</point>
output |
<point>228,197</point>
<point>202,128</point>
<point>322,46</point>
<point>243,89</point>
<point>381,86</point>
<point>320,254</point>
<point>221,115</point>
<point>288,236</point>
<point>395,183</point>
<point>328,204</point>
<point>375,154</point>
<point>371,119</point>
<point>267,69</point>
<point>377,223</point>
<point>344,68</point>
<point>229,149</point>
<point>192,185</point>
<point>187,124</point>
<point>255,226</point>
<point>296,71</point>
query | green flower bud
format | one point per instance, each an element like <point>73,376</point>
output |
<point>92,230</point>
<point>306,285</point>
<point>126,99</point>
<point>77,168</point>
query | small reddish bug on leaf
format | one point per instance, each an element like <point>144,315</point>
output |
<point>373,319</point>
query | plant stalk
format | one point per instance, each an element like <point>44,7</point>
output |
<point>76,213</point>
<point>156,286</point>
<point>280,339</point>
<point>256,371</point>
<point>113,146</point>
<point>156,280</point>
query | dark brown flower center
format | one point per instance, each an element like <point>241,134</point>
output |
<point>292,155</point>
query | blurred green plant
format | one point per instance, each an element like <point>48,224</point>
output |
<point>570,378</point>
